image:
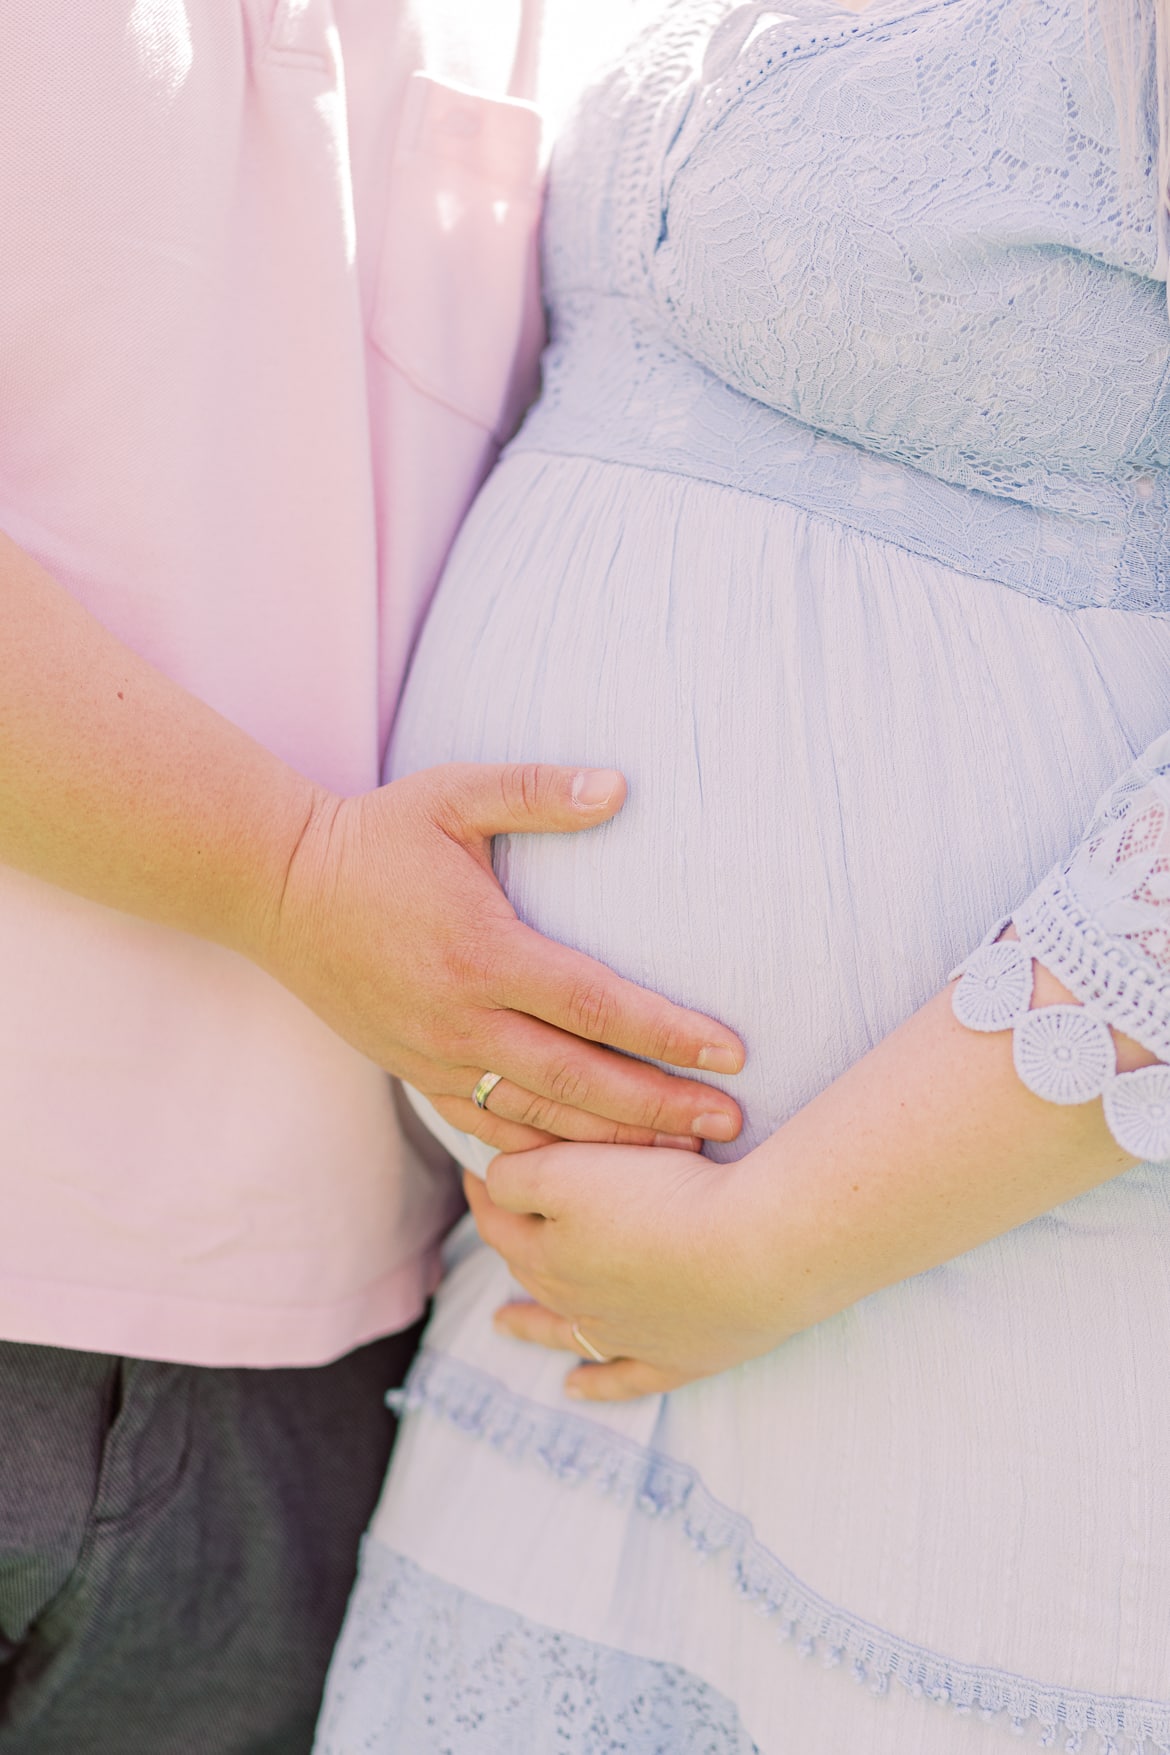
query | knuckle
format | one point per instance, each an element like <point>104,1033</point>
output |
<point>495,1131</point>
<point>470,957</point>
<point>520,787</point>
<point>666,1117</point>
<point>464,960</point>
<point>445,794</point>
<point>570,1086</point>
<point>664,1033</point>
<point>634,1136</point>
<point>656,1112</point>
<point>536,1112</point>
<point>669,1042</point>
<point>590,1010</point>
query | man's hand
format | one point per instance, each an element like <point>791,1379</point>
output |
<point>380,912</point>
<point>393,928</point>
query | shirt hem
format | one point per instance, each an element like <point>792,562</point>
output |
<point>215,1333</point>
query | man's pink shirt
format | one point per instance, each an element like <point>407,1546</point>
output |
<point>267,306</point>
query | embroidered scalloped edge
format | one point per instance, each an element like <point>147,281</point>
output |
<point>1063,1053</point>
<point>578,1451</point>
<point>1103,972</point>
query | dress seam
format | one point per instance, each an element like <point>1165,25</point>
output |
<point>579,1451</point>
<point>819,516</point>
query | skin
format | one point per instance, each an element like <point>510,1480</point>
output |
<point>380,912</point>
<point>675,1267</point>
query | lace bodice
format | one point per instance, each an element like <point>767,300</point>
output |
<point>902,269</point>
<point>892,267</point>
<point>926,208</point>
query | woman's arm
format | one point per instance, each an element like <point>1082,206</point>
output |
<point>928,1146</point>
<point>381,912</point>
<point>677,1267</point>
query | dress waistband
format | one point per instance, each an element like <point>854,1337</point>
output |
<point>616,388</point>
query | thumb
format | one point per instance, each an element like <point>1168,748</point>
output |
<point>527,798</point>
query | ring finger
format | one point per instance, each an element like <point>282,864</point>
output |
<point>510,1102</point>
<point>554,1068</point>
<point>544,1328</point>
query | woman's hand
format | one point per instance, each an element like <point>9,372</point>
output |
<point>676,1267</point>
<point>652,1252</point>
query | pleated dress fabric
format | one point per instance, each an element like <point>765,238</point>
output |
<point>943,1514</point>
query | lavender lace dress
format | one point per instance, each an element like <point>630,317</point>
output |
<point>843,527</point>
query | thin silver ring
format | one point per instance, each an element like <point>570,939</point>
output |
<point>485,1088</point>
<point>587,1346</point>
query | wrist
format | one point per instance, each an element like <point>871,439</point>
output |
<point>275,917</point>
<point>783,1251</point>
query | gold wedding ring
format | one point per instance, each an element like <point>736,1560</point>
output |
<point>485,1088</point>
<point>587,1346</point>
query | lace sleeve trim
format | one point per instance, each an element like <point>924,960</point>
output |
<point>1064,1053</point>
<point>1105,971</point>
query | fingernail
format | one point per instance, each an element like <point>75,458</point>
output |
<point>681,1142</point>
<point>593,787</point>
<point>718,1060</point>
<point>715,1127</point>
<point>571,1389</point>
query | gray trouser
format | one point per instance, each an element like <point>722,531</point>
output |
<point>177,1546</point>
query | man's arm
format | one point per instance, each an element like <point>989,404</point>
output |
<point>380,912</point>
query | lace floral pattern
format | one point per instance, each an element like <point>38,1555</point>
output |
<point>425,1669</point>
<point>864,265</point>
<point>881,184</point>
<point>1121,871</point>
<point>584,1454</point>
<point>756,279</point>
<point>1101,924</point>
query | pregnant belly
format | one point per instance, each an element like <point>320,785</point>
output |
<point>844,761</point>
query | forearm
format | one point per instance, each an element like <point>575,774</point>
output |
<point>380,912</point>
<point>927,1147</point>
<point>122,786</point>
<point>955,1129</point>
<point>934,1143</point>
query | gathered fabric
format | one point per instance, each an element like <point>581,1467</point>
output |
<point>794,249</point>
<point>843,762</point>
<point>841,528</point>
